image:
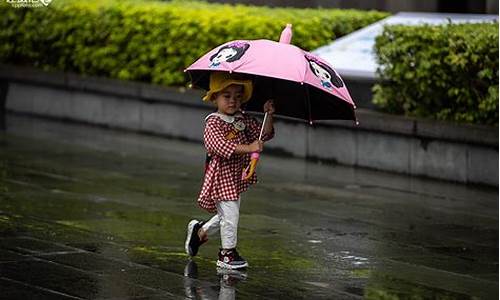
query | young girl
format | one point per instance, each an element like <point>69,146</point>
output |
<point>230,136</point>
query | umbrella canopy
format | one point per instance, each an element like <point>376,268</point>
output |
<point>303,85</point>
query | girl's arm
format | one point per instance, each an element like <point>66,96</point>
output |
<point>268,127</point>
<point>256,146</point>
<point>216,143</point>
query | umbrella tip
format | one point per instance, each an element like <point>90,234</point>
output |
<point>286,34</point>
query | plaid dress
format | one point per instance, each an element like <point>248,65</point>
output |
<point>222,180</point>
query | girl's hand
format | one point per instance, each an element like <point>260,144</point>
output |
<point>256,146</point>
<point>269,107</point>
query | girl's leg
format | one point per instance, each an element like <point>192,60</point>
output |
<point>229,214</point>
<point>210,227</point>
<point>197,233</point>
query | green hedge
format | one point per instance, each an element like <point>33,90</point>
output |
<point>447,72</point>
<point>153,41</point>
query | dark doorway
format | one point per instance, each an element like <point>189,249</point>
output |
<point>462,6</point>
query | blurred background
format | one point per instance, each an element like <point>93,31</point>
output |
<point>394,6</point>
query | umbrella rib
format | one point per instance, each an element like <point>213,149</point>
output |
<point>308,100</point>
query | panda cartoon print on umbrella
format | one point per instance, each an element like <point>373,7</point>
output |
<point>303,85</point>
<point>228,53</point>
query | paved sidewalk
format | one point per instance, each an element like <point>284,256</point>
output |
<point>91,213</point>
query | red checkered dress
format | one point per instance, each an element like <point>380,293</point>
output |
<point>222,180</point>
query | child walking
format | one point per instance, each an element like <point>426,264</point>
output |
<point>230,136</point>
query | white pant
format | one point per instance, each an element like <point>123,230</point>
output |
<point>227,217</point>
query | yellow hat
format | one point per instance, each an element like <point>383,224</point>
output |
<point>221,80</point>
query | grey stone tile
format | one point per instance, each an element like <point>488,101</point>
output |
<point>29,245</point>
<point>11,289</point>
<point>92,262</point>
<point>71,281</point>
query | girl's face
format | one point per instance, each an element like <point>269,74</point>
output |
<point>224,55</point>
<point>228,100</point>
<point>320,72</point>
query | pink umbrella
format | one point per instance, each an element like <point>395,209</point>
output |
<point>302,85</point>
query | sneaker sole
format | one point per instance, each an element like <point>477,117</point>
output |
<point>222,264</point>
<point>190,228</point>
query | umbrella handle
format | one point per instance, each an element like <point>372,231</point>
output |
<point>254,157</point>
<point>248,171</point>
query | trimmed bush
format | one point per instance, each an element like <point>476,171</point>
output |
<point>447,72</point>
<point>153,41</point>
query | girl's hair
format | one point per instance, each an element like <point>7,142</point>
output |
<point>240,48</point>
<point>336,81</point>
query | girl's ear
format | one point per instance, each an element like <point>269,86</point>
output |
<point>213,97</point>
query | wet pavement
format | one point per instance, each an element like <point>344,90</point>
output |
<point>93,213</point>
